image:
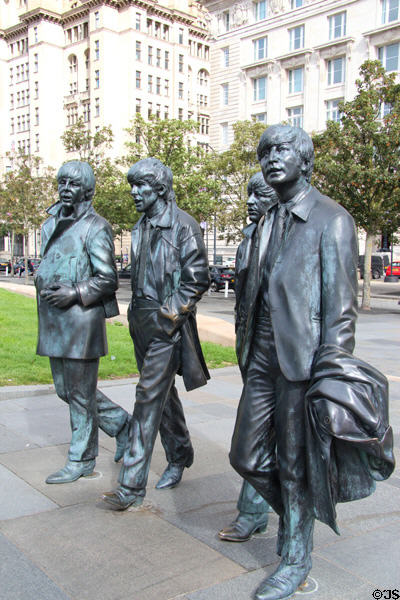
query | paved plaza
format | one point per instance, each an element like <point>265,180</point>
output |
<point>61,542</point>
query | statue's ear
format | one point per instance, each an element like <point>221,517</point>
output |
<point>162,189</point>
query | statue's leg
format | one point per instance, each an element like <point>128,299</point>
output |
<point>174,433</point>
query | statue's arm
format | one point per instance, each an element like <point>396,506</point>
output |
<point>194,281</point>
<point>104,279</point>
<point>339,257</point>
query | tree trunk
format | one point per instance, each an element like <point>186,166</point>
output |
<point>12,252</point>
<point>366,293</point>
<point>26,259</point>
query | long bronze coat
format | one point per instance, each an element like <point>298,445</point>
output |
<point>312,285</point>
<point>178,259</point>
<point>77,251</point>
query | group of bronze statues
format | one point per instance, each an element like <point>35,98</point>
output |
<point>312,423</point>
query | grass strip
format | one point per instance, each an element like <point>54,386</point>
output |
<point>20,365</point>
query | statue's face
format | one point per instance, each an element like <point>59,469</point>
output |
<point>70,189</point>
<point>258,202</point>
<point>144,194</point>
<point>281,163</point>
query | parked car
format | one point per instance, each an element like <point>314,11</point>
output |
<point>125,272</point>
<point>3,265</point>
<point>219,275</point>
<point>378,263</point>
<point>230,262</point>
<point>396,269</point>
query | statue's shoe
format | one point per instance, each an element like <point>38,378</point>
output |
<point>171,476</point>
<point>121,499</point>
<point>121,441</point>
<point>243,527</point>
<point>283,582</point>
<point>72,471</point>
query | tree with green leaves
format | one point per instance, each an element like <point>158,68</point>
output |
<point>112,199</point>
<point>26,190</point>
<point>232,170</point>
<point>357,159</point>
<point>173,142</point>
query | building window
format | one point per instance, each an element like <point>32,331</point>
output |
<point>180,63</point>
<point>86,112</point>
<point>260,48</point>
<point>149,109</point>
<point>296,37</point>
<point>166,112</point>
<point>158,57</point>
<point>332,110</point>
<point>35,63</point>
<point>260,10</point>
<point>296,80</point>
<point>180,114</point>
<point>150,55</point>
<point>97,79</point>
<point>336,71</point>
<point>158,85</point>
<point>204,125</point>
<point>36,85</point>
<point>225,94</point>
<point>138,79</point>
<point>138,107</point>
<point>390,10</point>
<point>36,116</point>
<point>149,27</point>
<point>295,116</point>
<point>180,90</point>
<point>97,107</point>
<point>157,29</point>
<point>137,23</point>
<point>259,89</point>
<point>386,109</point>
<point>11,76</point>
<point>202,78</point>
<point>150,84</point>
<point>138,50</point>
<point>12,125</point>
<point>11,101</point>
<point>296,4</point>
<point>166,88</point>
<point>260,117</point>
<point>180,36</point>
<point>225,20</point>
<point>389,56</point>
<point>225,57</point>
<point>337,26</point>
<point>96,19</point>
<point>224,134</point>
<point>166,60</point>
<point>35,35</point>
<point>165,32</point>
<point>96,50</point>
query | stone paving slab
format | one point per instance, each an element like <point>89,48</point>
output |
<point>94,552</point>
<point>21,579</point>
<point>17,498</point>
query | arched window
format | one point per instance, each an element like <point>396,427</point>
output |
<point>202,77</point>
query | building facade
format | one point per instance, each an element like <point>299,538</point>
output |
<point>103,61</point>
<point>294,60</point>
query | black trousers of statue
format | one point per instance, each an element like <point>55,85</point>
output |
<point>268,444</point>
<point>157,405</point>
<point>75,381</point>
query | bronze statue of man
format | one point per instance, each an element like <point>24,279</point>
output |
<point>169,275</point>
<point>303,289</point>
<point>76,283</point>
<point>253,509</point>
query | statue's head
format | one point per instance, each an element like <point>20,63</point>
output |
<point>76,182</point>
<point>260,197</point>
<point>150,181</point>
<point>286,154</point>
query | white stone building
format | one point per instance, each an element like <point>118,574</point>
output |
<point>104,61</point>
<point>293,60</point>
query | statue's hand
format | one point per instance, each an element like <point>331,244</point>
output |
<point>60,295</point>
